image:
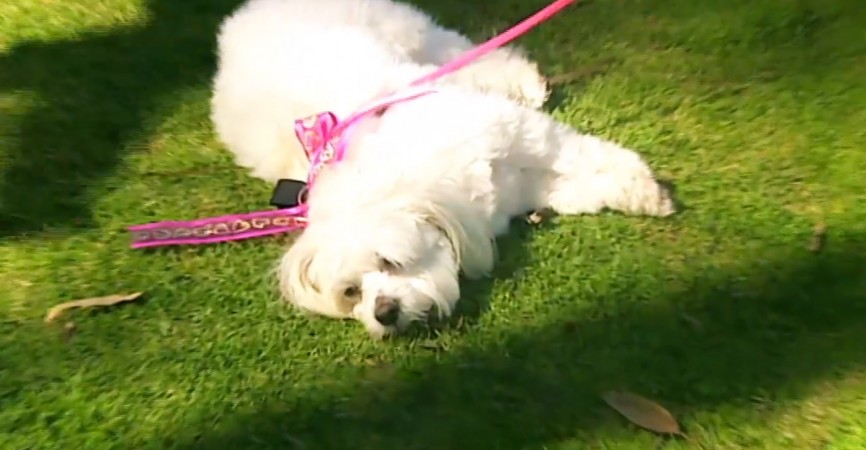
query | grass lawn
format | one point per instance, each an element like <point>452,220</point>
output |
<point>756,110</point>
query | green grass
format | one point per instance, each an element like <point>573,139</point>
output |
<point>755,110</point>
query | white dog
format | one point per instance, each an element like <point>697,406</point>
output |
<point>425,187</point>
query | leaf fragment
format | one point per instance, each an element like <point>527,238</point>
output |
<point>108,300</point>
<point>643,412</point>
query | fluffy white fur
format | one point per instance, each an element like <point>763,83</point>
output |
<point>426,187</point>
<point>280,60</point>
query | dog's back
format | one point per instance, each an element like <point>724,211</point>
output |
<point>281,60</point>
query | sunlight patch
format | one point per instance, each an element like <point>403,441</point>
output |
<point>44,20</point>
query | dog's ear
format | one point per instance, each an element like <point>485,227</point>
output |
<point>466,231</point>
<point>294,276</point>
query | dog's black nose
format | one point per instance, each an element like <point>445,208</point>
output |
<point>387,310</point>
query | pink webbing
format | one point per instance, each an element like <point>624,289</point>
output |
<point>217,229</point>
<point>323,138</point>
<point>494,43</point>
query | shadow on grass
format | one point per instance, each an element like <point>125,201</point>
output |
<point>93,96</point>
<point>769,327</point>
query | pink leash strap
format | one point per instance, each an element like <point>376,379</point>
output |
<point>496,42</point>
<point>323,138</point>
<point>231,227</point>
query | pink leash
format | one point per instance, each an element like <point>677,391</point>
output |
<point>323,138</point>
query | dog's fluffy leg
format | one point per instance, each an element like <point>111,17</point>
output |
<point>506,71</point>
<point>590,174</point>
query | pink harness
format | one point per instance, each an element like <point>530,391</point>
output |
<point>323,138</point>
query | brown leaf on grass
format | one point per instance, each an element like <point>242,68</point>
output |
<point>108,300</point>
<point>643,412</point>
<point>819,235</point>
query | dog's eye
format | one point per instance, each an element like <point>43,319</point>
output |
<point>387,265</point>
<point>351,291</point>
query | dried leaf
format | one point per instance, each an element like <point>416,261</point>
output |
<point>108,300</point>
<point>819,234</point>
<point>643,412</point>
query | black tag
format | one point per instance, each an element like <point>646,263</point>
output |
<point>289,193</point>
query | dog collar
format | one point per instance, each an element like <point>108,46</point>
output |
<point>324,140</point>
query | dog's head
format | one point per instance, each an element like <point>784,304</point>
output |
<point>388,264</point>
